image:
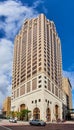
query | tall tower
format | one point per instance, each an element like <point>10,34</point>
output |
<point>37,69</point>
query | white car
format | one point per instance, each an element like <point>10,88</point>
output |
<point>37,122</point>
<point>13,120</point>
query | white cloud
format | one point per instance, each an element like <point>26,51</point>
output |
<point>71,68</point>
<point>6,49</point>
<point>14,14</point>
<point>70,75</point>
<point>36,3</point>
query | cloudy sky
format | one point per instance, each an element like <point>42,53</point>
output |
<point>12,15</point>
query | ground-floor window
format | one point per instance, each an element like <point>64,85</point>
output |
<point>56,111</point>
<point>22,107</point>
<point>36,113</point>
<point>48,114</point>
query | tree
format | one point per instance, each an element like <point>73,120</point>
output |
<point>24,114</point>
<point>12,114</point>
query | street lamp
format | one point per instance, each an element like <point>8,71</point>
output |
<point>27,113</point>
<point>13,110</point>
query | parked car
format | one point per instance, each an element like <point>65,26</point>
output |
<point>13,120</point>
<point>37,122</point>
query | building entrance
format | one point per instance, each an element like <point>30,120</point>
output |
<point>22,107</point>
<point>48,114</point>
<point>36,113</point>
<point>56,111</point>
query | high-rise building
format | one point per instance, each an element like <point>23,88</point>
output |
<point>37,70</point>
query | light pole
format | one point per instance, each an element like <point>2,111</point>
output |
<point>13,110</point>
<point>36,115</point>
<point>47,112</point>
<point>27,113</point>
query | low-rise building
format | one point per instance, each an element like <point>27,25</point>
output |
<point>6,106</point>
<point>67,88</point>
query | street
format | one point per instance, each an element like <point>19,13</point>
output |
<point>47,127</point>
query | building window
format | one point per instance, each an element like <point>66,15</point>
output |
<point>34,67</point>
<point>39,77</point>
<point>45,86</point>
<point>44,69</point>
<point>28,75</point>
<point>17,92</point>
<point>34,84</point>
<point>22,90</point>
<point>28,86</point>
<point>45,60</point>
<point>32,102</point>
<point>39,63</point>
<point>48,101</point>
<point>40,59</point>
<point>39,81</point>
<point>39,55</point>
<point>56,91</point>
<point>39,68</point>
<point>35,101</point>
<point>39,86</point>
<point>49,85</point>
<point>45,81</point>
<point>34,72</point>
<point>39,100</point>
<point>14,94</point>
<point>44,64</point>
<point>52,88</point>
<point>45,77</point>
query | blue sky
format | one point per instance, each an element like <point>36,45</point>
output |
<point>12,15</point>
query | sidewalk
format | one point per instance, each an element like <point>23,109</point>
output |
<point>69,122</point>
<point>65,122</point>
<point>6,122</point>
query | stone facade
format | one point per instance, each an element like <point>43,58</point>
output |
<point>37,70</point>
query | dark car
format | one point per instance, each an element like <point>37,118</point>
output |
<point>37,122</point>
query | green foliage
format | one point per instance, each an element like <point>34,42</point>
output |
<point>12,114</point>
<point>18,115</point>
<point>24,114</point>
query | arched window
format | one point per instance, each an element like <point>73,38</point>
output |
<point>36,113</point>
<point>22,107</point>
<point>56,111</point>
<point>48,114</point>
